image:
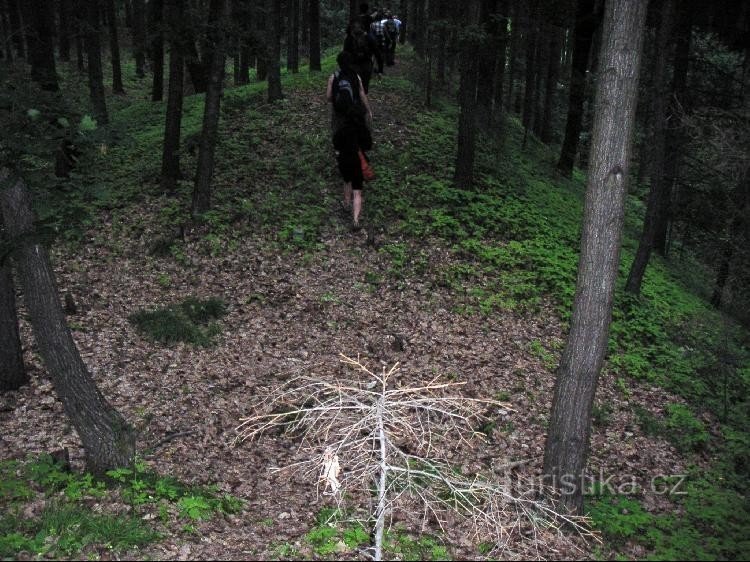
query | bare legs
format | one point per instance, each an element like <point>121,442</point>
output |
<point>348,195</point>
<point>357,206</point>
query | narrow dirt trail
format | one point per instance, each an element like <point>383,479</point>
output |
<point>288,315</point>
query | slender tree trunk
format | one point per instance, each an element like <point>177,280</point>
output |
<point>197,68</point>
<point>114,48</point>
<point>403,11</point>
<point>128,5</point>
<point>585,26</point>
<point>139,37</point>
<point>740,201</point>
<point>274,50</point>
<point>156,47</point>
<point>292,51</point>
<point>315,36</point>
<point>202,190</point>
<point>94,55</point>
<point>553,76</point>
<point>7,49</point>
<point>467,121</point>
<point>486,64</point>
<point>63,33</point>
<point>352,10</point>
<point>13,374</point>
<point>14,17</point>
<point>41,46</point>
<point>27,26</point>
<point>658,188</point>
<point>527,119</point>
<point>170,162</point>
<point>502,45</point>
<point>262,25</point>
<point>569,431</point>
<point>675,138</point>
<point>109,441</point>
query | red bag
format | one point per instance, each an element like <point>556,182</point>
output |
<point>368,174</point>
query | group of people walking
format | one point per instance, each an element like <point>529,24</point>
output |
<point>370,44</point>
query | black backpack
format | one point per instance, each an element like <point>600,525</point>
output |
<point>345,94</point>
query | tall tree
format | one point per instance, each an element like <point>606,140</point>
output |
<point>512,100</point>
<point>532,41</point>
<point>292,43</point>
<point>273,9</point>
<point>41,45</point>
<point>114,47</point>
<point>139,36</point>
<point>467,120</point>
<point>170,161</point>
<point>107,438</point>
<point>657,143</point>
<point>569,430</point>
<point>204,174</point>
<point>92,29</point>
<point>678,104</point>
<point>12,372</point>
<point>587,20</point>
<point>314,47</point>
<point>63,33</point>
<point>156,46</point>
<point>16,29</point>
<point>553,75</point>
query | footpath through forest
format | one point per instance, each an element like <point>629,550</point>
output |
<point>298,296</point>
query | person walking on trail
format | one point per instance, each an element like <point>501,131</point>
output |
<point>349,121</point>
<point>362,47</point>
<point>390,30</point>
<point>378,32</point>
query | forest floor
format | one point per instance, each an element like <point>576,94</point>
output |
<point>294,313</point>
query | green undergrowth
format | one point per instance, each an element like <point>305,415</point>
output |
<point>47,511</point>
<point>190,321</point>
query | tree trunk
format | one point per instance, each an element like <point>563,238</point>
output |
<point>585,26</point>
<point>677,105</point>
<point>658,188</point>
<point>139,37</point>
<point>41,46</point>
<point>740,200</point>
<point>502,44</point>
<point>274,50</point>
<point>352,10</point>
<point>170,162</point>
<point>315,36</point>
<point>486,64</point>
<point>211,113</point>
<point>262,28</point>
<point>63,43</point>
<point>553,75</point>
<point>7,48</point>
<point>292,51</point>
<point>109,441</point>
<point>532,40</point>
<point>114,48</point>
<point>156,43</point>
<point>14,17</point>
<point>512,99</point>
<point>94,56</point>
<point>403,11</point>
<point>128,5</point>
<point>467,121</point>
<point>197,68</point>
<point>567,444</point>
<point>13,375</point>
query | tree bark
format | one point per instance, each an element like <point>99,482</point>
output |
<point>139,37</point>
<point>274,50</point>
<point>511,100</point>
<point>108,440</point>
<point>114,48</point>
<point>156,44</point>
<point>211,113</point>
<point>13,374</point>
<point>292,51</point>
<point>569,431</point>
<point>63,34</point>
<point>658,188</point>
<point>585,26</point>
<point>94,56</point>
<point>41,45</point>
<point>529,92</point>
<point>14,17</point>
<point>740,199</point>
<point>502,44</point>
<point>467,121</point>
<point>553,76</point>
<point>675,138</point>
<point>315,36</point>
<point>170,162</point>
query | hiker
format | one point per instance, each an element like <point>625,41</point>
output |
<point>377,29</point>
<point>362,47</point>
<point>349,121</point>
<point>390,30</point>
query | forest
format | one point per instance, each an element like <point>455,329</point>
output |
<point>525,336</point>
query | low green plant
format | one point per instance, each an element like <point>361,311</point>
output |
<point>189,321</point>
